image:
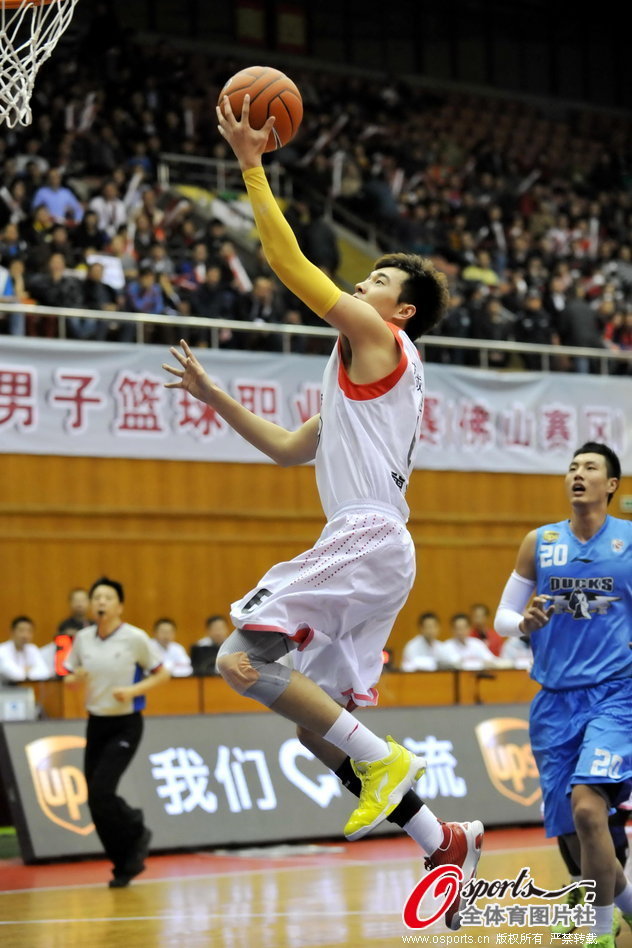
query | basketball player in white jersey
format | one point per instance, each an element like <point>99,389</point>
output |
<point>334,606</point>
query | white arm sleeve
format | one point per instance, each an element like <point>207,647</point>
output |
<point>514,599</point>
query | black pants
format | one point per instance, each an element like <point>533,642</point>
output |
<point>111,743</point>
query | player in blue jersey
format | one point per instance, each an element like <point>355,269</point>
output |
<point>580,624</point>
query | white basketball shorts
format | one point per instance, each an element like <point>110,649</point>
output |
<point>338,601</point>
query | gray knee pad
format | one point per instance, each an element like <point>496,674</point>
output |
<point>263,650</point>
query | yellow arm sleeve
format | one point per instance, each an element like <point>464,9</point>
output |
<point>282,251</point>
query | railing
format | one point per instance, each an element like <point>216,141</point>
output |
<point>223,176</point>
<point>214,174</point>
<point>607,358</point>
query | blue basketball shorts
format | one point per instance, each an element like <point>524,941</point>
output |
<point>581,736</point>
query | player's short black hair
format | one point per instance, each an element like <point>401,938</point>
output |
<point>104,581</point>
<point>427,615</point>
<point>212,619</point>
<point>15,622</point>
<point>459,615</point>
<point>425,287</point>
<point>613,464</point>
<point>164,619</point>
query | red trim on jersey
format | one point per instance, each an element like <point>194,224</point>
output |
<point>372,696</point>
<point>369,390</point>
<point>303,636</point>
<point>254,627</point>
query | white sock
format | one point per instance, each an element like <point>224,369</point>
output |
<point>624,899</point>
<point>425,829</point>
<point>355,740</point>
<point>603,920</point>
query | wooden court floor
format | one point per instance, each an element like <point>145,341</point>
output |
<point>347,895</point>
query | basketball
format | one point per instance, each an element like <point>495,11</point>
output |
<point>271,93</point>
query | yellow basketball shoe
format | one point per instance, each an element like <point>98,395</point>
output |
<point>573,898</point>
<point>384,783</point>
<point>617,915</point>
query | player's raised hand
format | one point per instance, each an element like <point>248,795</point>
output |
<point>537,615</point>
<point>191,377</point>
<point>247,142</point>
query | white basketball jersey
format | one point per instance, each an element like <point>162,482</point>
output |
<point>369,433</point>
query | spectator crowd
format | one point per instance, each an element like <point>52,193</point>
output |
<point>472,645</point>
<point>527,210</point>
<point>21,660</point>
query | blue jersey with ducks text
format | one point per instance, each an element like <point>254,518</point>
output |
<point>588,638</point>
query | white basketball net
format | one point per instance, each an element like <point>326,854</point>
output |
<point>28,36</point>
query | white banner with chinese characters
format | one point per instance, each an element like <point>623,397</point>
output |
<point>108,400</point>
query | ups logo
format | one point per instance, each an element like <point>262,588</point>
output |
<point>509,759</point>
<point>60,786</point>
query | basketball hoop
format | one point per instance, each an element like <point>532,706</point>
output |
<point>29,32</point>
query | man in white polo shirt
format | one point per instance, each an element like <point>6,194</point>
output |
<point>119,664</point>
<point>20,659</point>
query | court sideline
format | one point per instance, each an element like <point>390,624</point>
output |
<point>337,895</point>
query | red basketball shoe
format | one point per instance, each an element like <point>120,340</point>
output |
<point>461,847</point>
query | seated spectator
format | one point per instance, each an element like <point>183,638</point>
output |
<point>35,231</point>
<point>481,271</point>
<point>214,300</point>
<point>118,265</point>
<point>457,323</point>
<point>14,204</point>
<point>533,324</point>
<point>517,653</point>
<point>424,652</point>
<point>216,631</point>
<point>12,246</point>
<point>55,288</point>
<point>216,236</point>
<point>204,652</point>
<point>262,305</point>
<point>12,290</point>
<point>62,204</point>
<point>194,266</point>
<point>618,337</point>
<point>79,618</point>
<point>149,206</point>
<point>110,209</point>
<point>144,236</point>
<point>87,235</point>
<point>20,659</point>
<point>173,655</point>
<point>231,260</point>
<point>96,295</point>
<point>59,242</point>
<point>182,238</point>
<point>482,628</point>
<point>463,651</point>
<point>494,323</point>
<point>143,295</point>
